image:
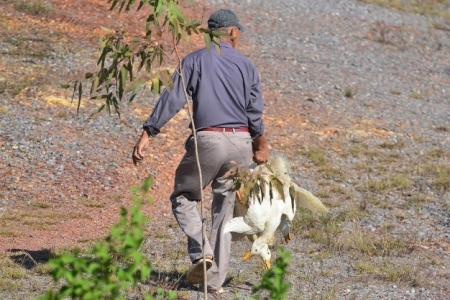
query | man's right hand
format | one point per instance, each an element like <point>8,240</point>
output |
<point>138,150</point>
<point>261,151</point>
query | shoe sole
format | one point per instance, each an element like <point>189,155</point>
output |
<point>195,273</point>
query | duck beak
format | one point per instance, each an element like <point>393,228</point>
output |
<point>239,195</point>
<point>247,256</point>
<point>267,264</point>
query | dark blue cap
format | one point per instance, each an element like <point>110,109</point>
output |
<point>224,18</point>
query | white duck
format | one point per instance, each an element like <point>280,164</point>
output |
<point>267,199</point>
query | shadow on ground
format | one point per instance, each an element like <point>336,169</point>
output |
<point>30,259</point>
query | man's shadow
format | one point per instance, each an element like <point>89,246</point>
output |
<point>171,280</point>
<point>177,282</point>
<point>30,259</point>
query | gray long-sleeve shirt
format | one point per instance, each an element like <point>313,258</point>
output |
<point>224,88</point>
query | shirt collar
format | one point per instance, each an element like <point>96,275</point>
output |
<point>225,44</point>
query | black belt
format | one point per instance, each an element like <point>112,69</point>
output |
<point>225,129</point>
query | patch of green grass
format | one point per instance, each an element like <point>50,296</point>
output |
<point>63,115</point>
<point>39,224</point>
<point>41,269</point>
<point>391,272</point>
<point>9,233</point>
<point>337,189</point>
<point>328,294</point>
<point>92,202</point>
<point>329,172</point>
<point>431,8</point>
<point>324,193</point>
<point>383,204</point>
<point>417,201</point>
<point>395,92</point>
<point>238,280</point>
<point>400,181</point>
<point>317,156</point>
<point>392,145</point>
<point>7,284</point>
<point>439,174</point>
<point>3,110</point>
<point>323,231</point>
<point>388,227</point>
<point>444,26</point>
<point>372,244</point>
<point>355,150</point>
<point>14,273</point>
<point>364,166</point>
<point>40,204</point>
<point>436,153</point>
<point>349,92</point>
<point>415,95</point>
<point>10,273</point>
<point>395,181</point>
<point>377,186</point>
<point>442,179</point>
<point>162,234</point>
<point>364,267</point>
<point>321,255</point>
<point>443,128</point>
<point>32,7</point>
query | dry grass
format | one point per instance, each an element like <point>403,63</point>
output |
<point>10,273</point>
<point>33,7</point>
<point>349,92</point>
<point>317,156</point>
<point>431,8</point>
<point>92,202</point>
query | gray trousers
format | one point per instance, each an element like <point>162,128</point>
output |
<point>218,152</point>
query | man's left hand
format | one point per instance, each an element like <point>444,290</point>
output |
<point>138,150</point>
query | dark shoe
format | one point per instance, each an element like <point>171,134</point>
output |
<point>195,272</point>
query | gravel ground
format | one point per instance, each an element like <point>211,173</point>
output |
<point>360,82</point>
<point>309,54</point>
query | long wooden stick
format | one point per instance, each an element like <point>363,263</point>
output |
<point>194,133</point>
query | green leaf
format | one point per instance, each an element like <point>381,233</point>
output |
<point>156,86</point>
<point>207,39</point>
<point>88,75</point>
<point>107,30</point>
<point>95,84</point>
<point>65,86</point>
<point>148,182</point>
<point>166,79</point>
<point>75,85</point>
<point>80,92</point>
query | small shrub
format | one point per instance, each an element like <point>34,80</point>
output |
<point>273,279</point>
<point>349,92</point>
<point>111,266</point>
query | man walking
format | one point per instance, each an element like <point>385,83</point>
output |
<point>227,114</point>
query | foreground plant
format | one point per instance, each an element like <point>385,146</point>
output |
<point>113,265</point>
<point>273,280</point>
